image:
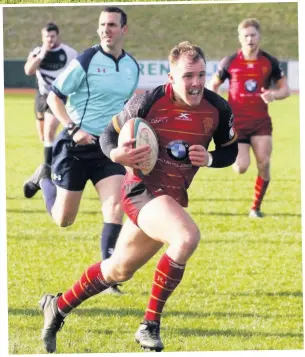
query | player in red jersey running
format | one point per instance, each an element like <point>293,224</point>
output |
<point>186,117</point>
<point>255,80</point>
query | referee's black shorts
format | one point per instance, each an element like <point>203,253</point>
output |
<point>73,166</point>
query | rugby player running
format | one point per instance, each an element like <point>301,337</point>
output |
<point>154,204</point>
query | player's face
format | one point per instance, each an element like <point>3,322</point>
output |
<point>188,80</point>
<point>49,39</point>
<point>249,39</point>
<point>110,30</point>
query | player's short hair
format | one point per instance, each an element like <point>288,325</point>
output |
<point>251,22</point>
<point>118,11</point>
<point>188,49</point>
<point>50,26</point>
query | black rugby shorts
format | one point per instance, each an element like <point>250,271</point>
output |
<point>73,166</point>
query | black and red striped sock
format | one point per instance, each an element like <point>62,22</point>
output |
<point>90,283</point>
<point>260,189</point>
<point>168,275</point>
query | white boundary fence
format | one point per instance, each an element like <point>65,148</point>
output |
<point>154,73</point>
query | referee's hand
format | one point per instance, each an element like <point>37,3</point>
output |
<point>83,138</point>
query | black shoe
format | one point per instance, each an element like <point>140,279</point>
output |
<point>53,321</point>
<point>113,290</point>
<point>148,336</point>
<point>31,186</point>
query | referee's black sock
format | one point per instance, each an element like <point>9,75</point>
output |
<point>48,154</point>
<point>109,237</point>
<point>49,193</point>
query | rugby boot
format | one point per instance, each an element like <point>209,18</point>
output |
<point>113,290</point>
<point>256,214</point>
<point>148,336</point>
<point>53,321</point>
<point>31,186</point>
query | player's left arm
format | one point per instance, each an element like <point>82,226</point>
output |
<point>125,154</point>
<point>225,139</point>
<point>109,138</point>
<point>281,89</point>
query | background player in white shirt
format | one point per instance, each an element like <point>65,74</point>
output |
<point>47,62</point>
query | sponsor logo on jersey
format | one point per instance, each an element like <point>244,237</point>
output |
<point>184,117</point>
<point>160,120</point>
<point>175,164</point>
<point>250,65</point>
<point>251,85</point>
<point>178,150</point>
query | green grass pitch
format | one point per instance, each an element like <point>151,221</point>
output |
<point>242,289</point>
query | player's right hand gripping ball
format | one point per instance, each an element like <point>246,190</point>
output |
<point>144,133</point>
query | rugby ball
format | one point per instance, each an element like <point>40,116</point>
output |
<point>144,133</point>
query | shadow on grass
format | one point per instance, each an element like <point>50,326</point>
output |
<point>262,293</point>
<point>26,211</point>
<point>232,332</point>
<point>185,314</point>
<point>121,312</point>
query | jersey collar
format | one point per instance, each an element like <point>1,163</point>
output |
<point>111,56</point>
<point>241,55</point>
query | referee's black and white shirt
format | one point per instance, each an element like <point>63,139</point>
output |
<point>55,61</point>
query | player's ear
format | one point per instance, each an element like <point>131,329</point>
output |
<point>125,29</point>
<point>170,78</point>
